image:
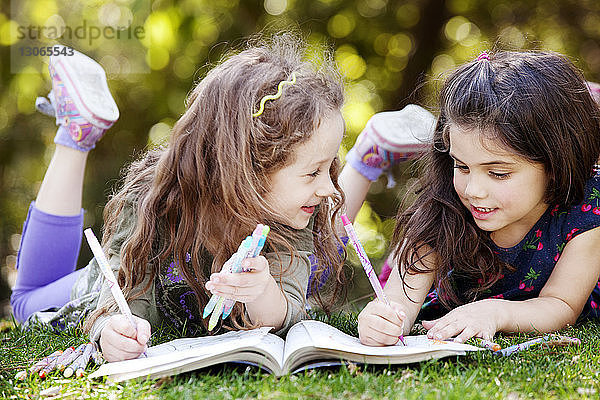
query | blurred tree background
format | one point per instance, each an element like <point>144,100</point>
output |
<point>391,52</point>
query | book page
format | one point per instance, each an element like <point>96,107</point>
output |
<point>320,335</point>
<point>162,356</point>
<point>273,345</point>
<point>297,338</point>
<point>225,342</point>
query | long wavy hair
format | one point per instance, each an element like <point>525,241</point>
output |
<point>534,103</point>
<point>204,191</point>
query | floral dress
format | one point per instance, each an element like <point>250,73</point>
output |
<point>536,255</point>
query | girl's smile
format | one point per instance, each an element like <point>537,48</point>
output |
<point>482,212</point>
<point>309,210</point>
<point>503,191</point>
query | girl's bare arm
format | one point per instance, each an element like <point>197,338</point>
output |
<point>417,286</point>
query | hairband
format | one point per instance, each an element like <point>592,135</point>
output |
<point>275,96</point>
<point>483,56</point>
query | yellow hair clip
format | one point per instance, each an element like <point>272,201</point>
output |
<point>275,96</point>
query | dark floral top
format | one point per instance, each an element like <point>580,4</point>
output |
<point>536,255</point>
<point>176,300</point>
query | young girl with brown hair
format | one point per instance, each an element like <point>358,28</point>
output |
<point>503,235</point>
<point>258,142</point>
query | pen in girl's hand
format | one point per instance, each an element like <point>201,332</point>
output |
<point>109,276</point>
<point>364,260</point>
<point>257,246</point>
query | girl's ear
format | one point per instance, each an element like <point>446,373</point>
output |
<point>446,137</point>
<point>443,145</point>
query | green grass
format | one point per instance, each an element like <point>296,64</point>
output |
<point>547,373</point>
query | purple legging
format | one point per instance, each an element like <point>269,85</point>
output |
<point>46,262</point>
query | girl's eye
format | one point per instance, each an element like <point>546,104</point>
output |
<point>461,168</point>
<point>315,174</point>
<point>499,175</point>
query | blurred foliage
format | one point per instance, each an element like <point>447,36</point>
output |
<point>391,52</point>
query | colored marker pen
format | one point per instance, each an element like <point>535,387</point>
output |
<point>214,298</point>
<point>235,267</point>
<point>366,264</point>
<point>254,252</point>
<point>109,276</point>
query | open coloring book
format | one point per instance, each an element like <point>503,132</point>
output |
<point>309,344</point>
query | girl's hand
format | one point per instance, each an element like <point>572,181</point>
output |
<point>120,341</point>
<point>477,319</point>
<point>380,324</point>
<point>245,287</point>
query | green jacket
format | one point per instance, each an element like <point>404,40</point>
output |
<point>170,299</point>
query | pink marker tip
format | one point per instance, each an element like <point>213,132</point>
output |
<point>401,337</point>
<point>345,219</point>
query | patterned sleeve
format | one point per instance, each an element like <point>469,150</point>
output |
<point>584,216</point>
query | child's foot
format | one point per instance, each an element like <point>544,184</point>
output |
<point>389,138</point>
<point>80,100</point>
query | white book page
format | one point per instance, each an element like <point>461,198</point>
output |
<point>297,337</point>
<point>224,342</point>
<point>327,337</point>
<point>273,345</point>
<point>186,348</point>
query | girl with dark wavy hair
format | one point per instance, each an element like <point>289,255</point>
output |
<point>503,235</point>
<point>258,143</point>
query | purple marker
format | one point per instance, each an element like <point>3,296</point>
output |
<point>366,264</point>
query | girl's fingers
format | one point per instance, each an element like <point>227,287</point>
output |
<point>237,294</point>
<point>123,344</point>
<point>258,264</point>
<point>376,331</point>
<point>465,335</point>
<point>380,324</point>
<point>441,329</point>
<point>372,337</point>
<point>255,264</point>
<point>143,330</point>
<point>233,288</point>
<point>117,347</point>
<point>244,287</point>
<point>376,339</point>
<point>243,293</point>
<point>387,312</point>
<point>383,326</point>
<point>453,329</point>
<point>429,324</point>
<point>243,279</point>
<point>121,325</point>
<point>398,309</point>
<point>241,299</point>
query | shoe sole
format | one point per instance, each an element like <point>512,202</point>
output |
<point>407,131</point>
<point>85,81</point>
